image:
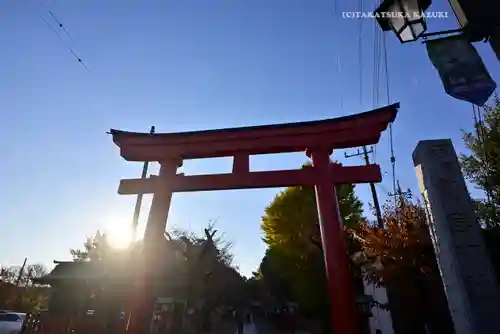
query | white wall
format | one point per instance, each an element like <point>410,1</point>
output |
<point>381,319</point>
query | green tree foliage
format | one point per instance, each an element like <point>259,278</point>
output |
<point>292,216</point>
<point>481,165</point>
<point>293,266</point>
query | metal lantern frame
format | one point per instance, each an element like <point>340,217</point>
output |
<point>385,15</point>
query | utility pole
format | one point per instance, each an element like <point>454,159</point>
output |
<point>138,203</point>
<point>399,199</point>
<point>20,275</point>
<point>364,153</point>
<point>400,193</point>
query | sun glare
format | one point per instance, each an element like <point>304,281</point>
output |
<point>119,234</point>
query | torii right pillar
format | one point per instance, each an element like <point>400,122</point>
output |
<point>469,281</point>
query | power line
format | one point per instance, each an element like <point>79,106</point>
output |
<point>360,56</point>
<point>54,17</point>
<point>376,64</point>
<point>376,74</point>
<point>60,24</point>
<point>380,71</point>
<point>382,188</point>
<point>391,136</point>
<point>365,152</point>
<point>380,40</point>
<point>386,69</point>
<point>66,31</point>
<point>335,6</point>
<point>54,31</point>
<point>339,72</point>
<point>400,194</point>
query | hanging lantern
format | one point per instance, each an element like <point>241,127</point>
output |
<point>404,17</point>
<point>461,69</point>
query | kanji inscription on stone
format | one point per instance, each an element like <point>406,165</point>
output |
<point>465,266</point>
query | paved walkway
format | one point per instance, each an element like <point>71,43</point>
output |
<point>265,328</point>
<point>262,328</point>
<point>249,329</point>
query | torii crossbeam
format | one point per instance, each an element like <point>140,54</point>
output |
<point>318,139</point>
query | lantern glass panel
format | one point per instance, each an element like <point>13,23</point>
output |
<point>396,18</point>
<point>412,9</point>
<point>406,34</point>
<point>418,28</point>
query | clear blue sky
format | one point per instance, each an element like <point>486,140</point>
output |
<point>186,65</point>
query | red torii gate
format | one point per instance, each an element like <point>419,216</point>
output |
<point>317,138</point>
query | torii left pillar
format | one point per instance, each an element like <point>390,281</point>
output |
<point>143,297</point>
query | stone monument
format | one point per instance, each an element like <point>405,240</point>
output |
<point>469,281</point>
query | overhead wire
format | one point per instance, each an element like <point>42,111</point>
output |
<point>365,153</point>
<point>65,30</point>
<point>62,26</point>
<point>381,76</point>
<point>77,57</point>
<point>339,75</point>
<point>376,65</point>
<point>376,75</point>
<point>54,17</point>
<point>360,55</point>
<point>338,67</point>
<point>384,189</point>
<point>391,135</point>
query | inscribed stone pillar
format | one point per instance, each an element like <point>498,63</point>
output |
<point>468,278</point>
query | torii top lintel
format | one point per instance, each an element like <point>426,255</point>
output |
<point>335,133</point>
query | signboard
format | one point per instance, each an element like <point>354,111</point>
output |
<point>461,69</point>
